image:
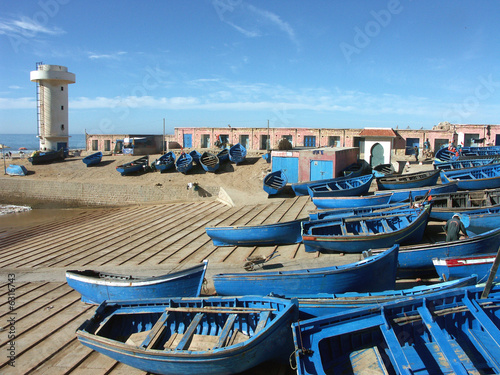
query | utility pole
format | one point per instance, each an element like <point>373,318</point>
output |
<point>163,140</point>
<point>268,145</point>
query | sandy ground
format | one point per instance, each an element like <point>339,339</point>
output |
<point>242,182</point>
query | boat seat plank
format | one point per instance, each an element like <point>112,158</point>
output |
<point>263,318</point>
<point>367,360</point>
<point>156,332</point>
<point>188,334</point>
<point>400,361</point>
<point>446,349</point>
<point>225,331</point>
<point>386,226</point>
<point>364,228</point>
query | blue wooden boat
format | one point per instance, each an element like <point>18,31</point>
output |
<point>196,156</point>
<point>363,232</point>
<point>209,162</point>
<point>96,287</point>
<point>333,279</point>
<point>412,194</point>
<point>408,180</point>
<point>347,187</point>
<point>324,304</point>
<point>237,153</point>
<point>355,211</point>
<point>275,182</point>
<point>354,201</point>
<point>184,163</point>
<point>223,155</point>
<point>452,332</point>
<point>416,260</point>
<point>39,157</point>
<point>482,220</point>
<point>301,188</point>
<point>453,268</point>
<point>92,159</point>
<point>462,164</point>
<point>192,336</point>
<point>16,170</point>
<point>288,232</point>
<point>165,162</point>
<point>444,154</point>
<point>478,178</point>
<point>382,170</point>
<point>357,169</point>
<point>462,202</point>
<point>137,165</point>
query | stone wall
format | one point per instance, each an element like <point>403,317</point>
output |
<point>74,194</point>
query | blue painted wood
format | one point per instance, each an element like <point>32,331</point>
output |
<point>95,287</point>
<point>336,213</point>
<point>321,169</point>
<point>382,170</point>
<point>364,232</point>
<point>357,169</point>
<point>431,334</point>
<point>209,162</point>
<point>137,165</point>
<point>115,322</point>
<point>461,202</point>
<point>196,156</point>
<point>477,178</point>
<point>446,155</point>
<point>482,220</point>
<point>187,140</point>
<point>223,155</point>
<point>354,201</point>
<point>348,187</point>
<point>462,164</point>
<point>334,279</point>
<point>165,162</point>
<point>16,170</point>
<point>289,166</point>
<point>92,159</point>
<point>408,180</point>
<point>301,188</point>
<point>416,260</point>
<point>324,304</point>
<point>184,163</point>
<point>288,232</point>
<point>275,182</point>
<point>412,194</point>
<point>237,153</point>
<point>455,267</point>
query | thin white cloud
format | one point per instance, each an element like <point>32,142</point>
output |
<point>26,27</point>
<point>112,56</point>
<point>275,20</point>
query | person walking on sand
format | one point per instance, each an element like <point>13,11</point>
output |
<point>453,227</point>
<point>416,153</point>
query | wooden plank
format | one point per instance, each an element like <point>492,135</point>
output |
<point>225,331</point>
<point>188,334</point>
<point>263,318</point>
<point>156,332</point>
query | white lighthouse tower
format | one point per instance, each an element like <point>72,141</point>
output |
<point>52,105</point>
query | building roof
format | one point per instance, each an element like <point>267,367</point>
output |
<point>371,132</point>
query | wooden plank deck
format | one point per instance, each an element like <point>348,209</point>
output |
<point>153,239</point>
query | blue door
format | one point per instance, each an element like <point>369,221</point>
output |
<point>321,169</point>
<point>310,141</point>
<point>410,144</point>
<point>187,140</point>
<point>289,165</point>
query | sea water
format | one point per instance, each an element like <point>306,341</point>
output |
<point>31,142</point>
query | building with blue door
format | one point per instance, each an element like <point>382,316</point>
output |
<point>313,164</point>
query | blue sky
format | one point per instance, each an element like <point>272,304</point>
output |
<point>328,64</point>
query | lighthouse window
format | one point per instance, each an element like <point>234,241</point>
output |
<point>62,126</point>
<point>62,88</point>
<point>62,108</point>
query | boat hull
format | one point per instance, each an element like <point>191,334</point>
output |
<point>275,182</point>
<point>271,342</point>
<point>407,194</point>
<point>478,178</point>
<point>408,181</point>
<point>348,187</point>
<point>347,202</point>
<point>209,162</point>
<point>335,279</point>
<point>457,267</point>
<point>257,235</point>
<point>237,153</point>
<point>356,241</point>
<point>93,159</point>
<point>95,290</point>
<point>16,170</point>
